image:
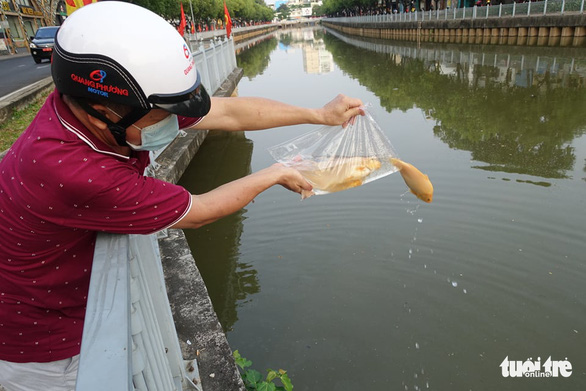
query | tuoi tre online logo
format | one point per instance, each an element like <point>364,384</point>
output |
<point>529,368</point>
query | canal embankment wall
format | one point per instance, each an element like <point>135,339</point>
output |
<point>545,30</point>
<point>199,331</point>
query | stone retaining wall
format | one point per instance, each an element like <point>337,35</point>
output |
<point>199,331</point>
<point>547,30</point>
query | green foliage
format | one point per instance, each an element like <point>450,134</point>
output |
<point>253,379</point>
<point>12,127</point>
<point>331,7</point>
<point>205,10</point>
<point>254,62</point>
<point>283,11</point>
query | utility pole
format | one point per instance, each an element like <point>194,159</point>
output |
<point>192,18</point>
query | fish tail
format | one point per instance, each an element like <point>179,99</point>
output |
<point>396,162</point>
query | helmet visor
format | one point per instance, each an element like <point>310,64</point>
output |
<point>194,102</point>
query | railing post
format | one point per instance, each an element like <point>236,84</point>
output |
<point>582,7</point>
<point>204,71</point>
<point>488,8</point>
<point>563,6</point>
<point>545,7</point>
<point>514,6</point>
<point>500,9</point>
<point>528,8</point>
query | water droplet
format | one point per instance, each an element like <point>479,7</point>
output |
<point>454,284</point>
<point>420,220</point>
<point>416,345</point>
<point>465,291</point>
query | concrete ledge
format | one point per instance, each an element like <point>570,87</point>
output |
<point>23,97</point>
<point>193,313</point>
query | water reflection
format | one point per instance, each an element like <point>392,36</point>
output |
<point>316,58</point>
<point>223,157</point>
<point>254,62</point>
<point>515,111</point>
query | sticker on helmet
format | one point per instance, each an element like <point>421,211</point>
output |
<point>98,75</point>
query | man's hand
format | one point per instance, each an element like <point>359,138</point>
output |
<point>290,178</point>
<point>341,110</point>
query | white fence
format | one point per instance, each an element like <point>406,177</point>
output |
<point>547,7</point>
<point>215,60</point>
<point>129,339</point>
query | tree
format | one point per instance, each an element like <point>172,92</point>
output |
<point>284,11</point>
<point>205,10</point>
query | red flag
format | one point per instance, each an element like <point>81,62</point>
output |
<point>228,21</point>
<point>183,23</point>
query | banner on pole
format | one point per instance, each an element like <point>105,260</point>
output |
<point>183,23</point>
<point>74,5</point>
<point>227,21</point>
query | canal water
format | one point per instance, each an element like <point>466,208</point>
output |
<point>372,289</point>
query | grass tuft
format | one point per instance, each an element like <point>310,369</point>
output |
<point>20,119</point>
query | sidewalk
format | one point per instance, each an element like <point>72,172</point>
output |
<point>21,53</point>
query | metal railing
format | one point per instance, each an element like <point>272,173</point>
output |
<point>547,7</point>
<point>129,339</point>
<point>214,60</point>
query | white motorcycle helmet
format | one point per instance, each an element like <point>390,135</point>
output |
<point>123,53</point>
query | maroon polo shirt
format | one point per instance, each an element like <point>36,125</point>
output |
<point>59,186</point>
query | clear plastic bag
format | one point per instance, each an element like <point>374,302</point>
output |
<point>333,158</point>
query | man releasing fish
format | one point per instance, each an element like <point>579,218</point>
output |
<point>418,183</point>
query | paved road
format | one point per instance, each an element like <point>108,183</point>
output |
<point>18,71</point>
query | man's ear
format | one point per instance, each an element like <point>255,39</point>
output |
<point>95,121</point>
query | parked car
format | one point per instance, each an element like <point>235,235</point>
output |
<point>42,43</point>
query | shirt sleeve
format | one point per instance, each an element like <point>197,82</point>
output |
<point>116,198</point>
<point>187,122</point>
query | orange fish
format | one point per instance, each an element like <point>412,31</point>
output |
<point>338,174</point>
<point>418,183</point>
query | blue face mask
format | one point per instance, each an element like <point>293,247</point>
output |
<point>157,135</point>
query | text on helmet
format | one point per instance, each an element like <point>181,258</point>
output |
<point>99,87</point>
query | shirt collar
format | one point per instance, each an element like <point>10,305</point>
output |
<point>74,125</point>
